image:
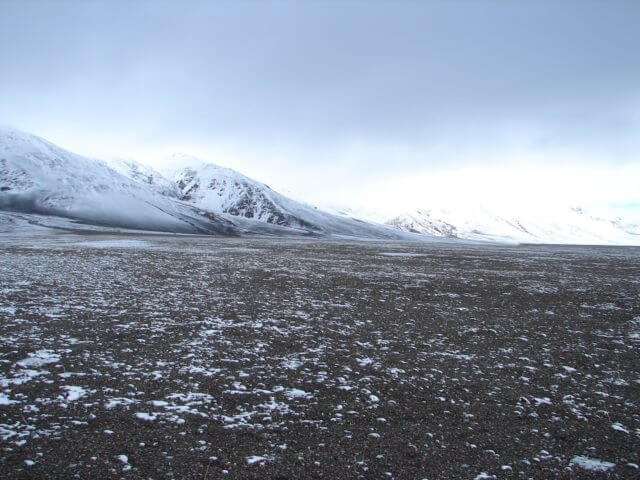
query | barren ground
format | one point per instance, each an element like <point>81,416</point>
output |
<point>190,357</point>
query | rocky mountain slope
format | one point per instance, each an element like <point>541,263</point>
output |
<point>224,190</point>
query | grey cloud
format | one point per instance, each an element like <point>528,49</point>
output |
<point>317,75</point>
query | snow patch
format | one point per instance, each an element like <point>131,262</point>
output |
<point>593,464</point>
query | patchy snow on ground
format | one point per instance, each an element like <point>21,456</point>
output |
<point>261,357</point>
<point>40,358</point>
<point>73,393</point>
<point>260,459</point>
<point>120,243</point>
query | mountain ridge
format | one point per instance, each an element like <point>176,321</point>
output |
<point>563,226</point>
<point>38,177</point>
<point>194,196</point>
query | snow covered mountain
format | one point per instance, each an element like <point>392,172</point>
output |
<point>224,190</point>
<point>145,175</point>
<point>559,225</point>
<point>39,178</point>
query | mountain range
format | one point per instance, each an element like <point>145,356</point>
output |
<point>41,180</point>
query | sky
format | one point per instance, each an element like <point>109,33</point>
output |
<point>409,104</point>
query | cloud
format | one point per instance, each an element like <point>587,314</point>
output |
<point>325,97</point>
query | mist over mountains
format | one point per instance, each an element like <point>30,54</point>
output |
<point>37,177</point>
<point>40,178</point>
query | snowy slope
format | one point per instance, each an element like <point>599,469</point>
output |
<point>224,190</point>
<point>559,225</point>
<point>38,177</point>
<point>145,175</point>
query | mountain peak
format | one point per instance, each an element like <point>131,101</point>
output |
<point>19,141</point>
<point>171,165</point>
<point>177,164</point>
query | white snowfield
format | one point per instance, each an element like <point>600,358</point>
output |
<point>559,226</point>
<point>44,186</point>
<point>507,224</point>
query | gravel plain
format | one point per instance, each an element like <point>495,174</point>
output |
<point>142,356</point>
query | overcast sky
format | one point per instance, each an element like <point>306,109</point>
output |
<point>343,102</point>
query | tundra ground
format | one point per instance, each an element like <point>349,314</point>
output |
<point>191,357</point>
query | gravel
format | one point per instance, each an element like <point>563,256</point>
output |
<point>262,358</point>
